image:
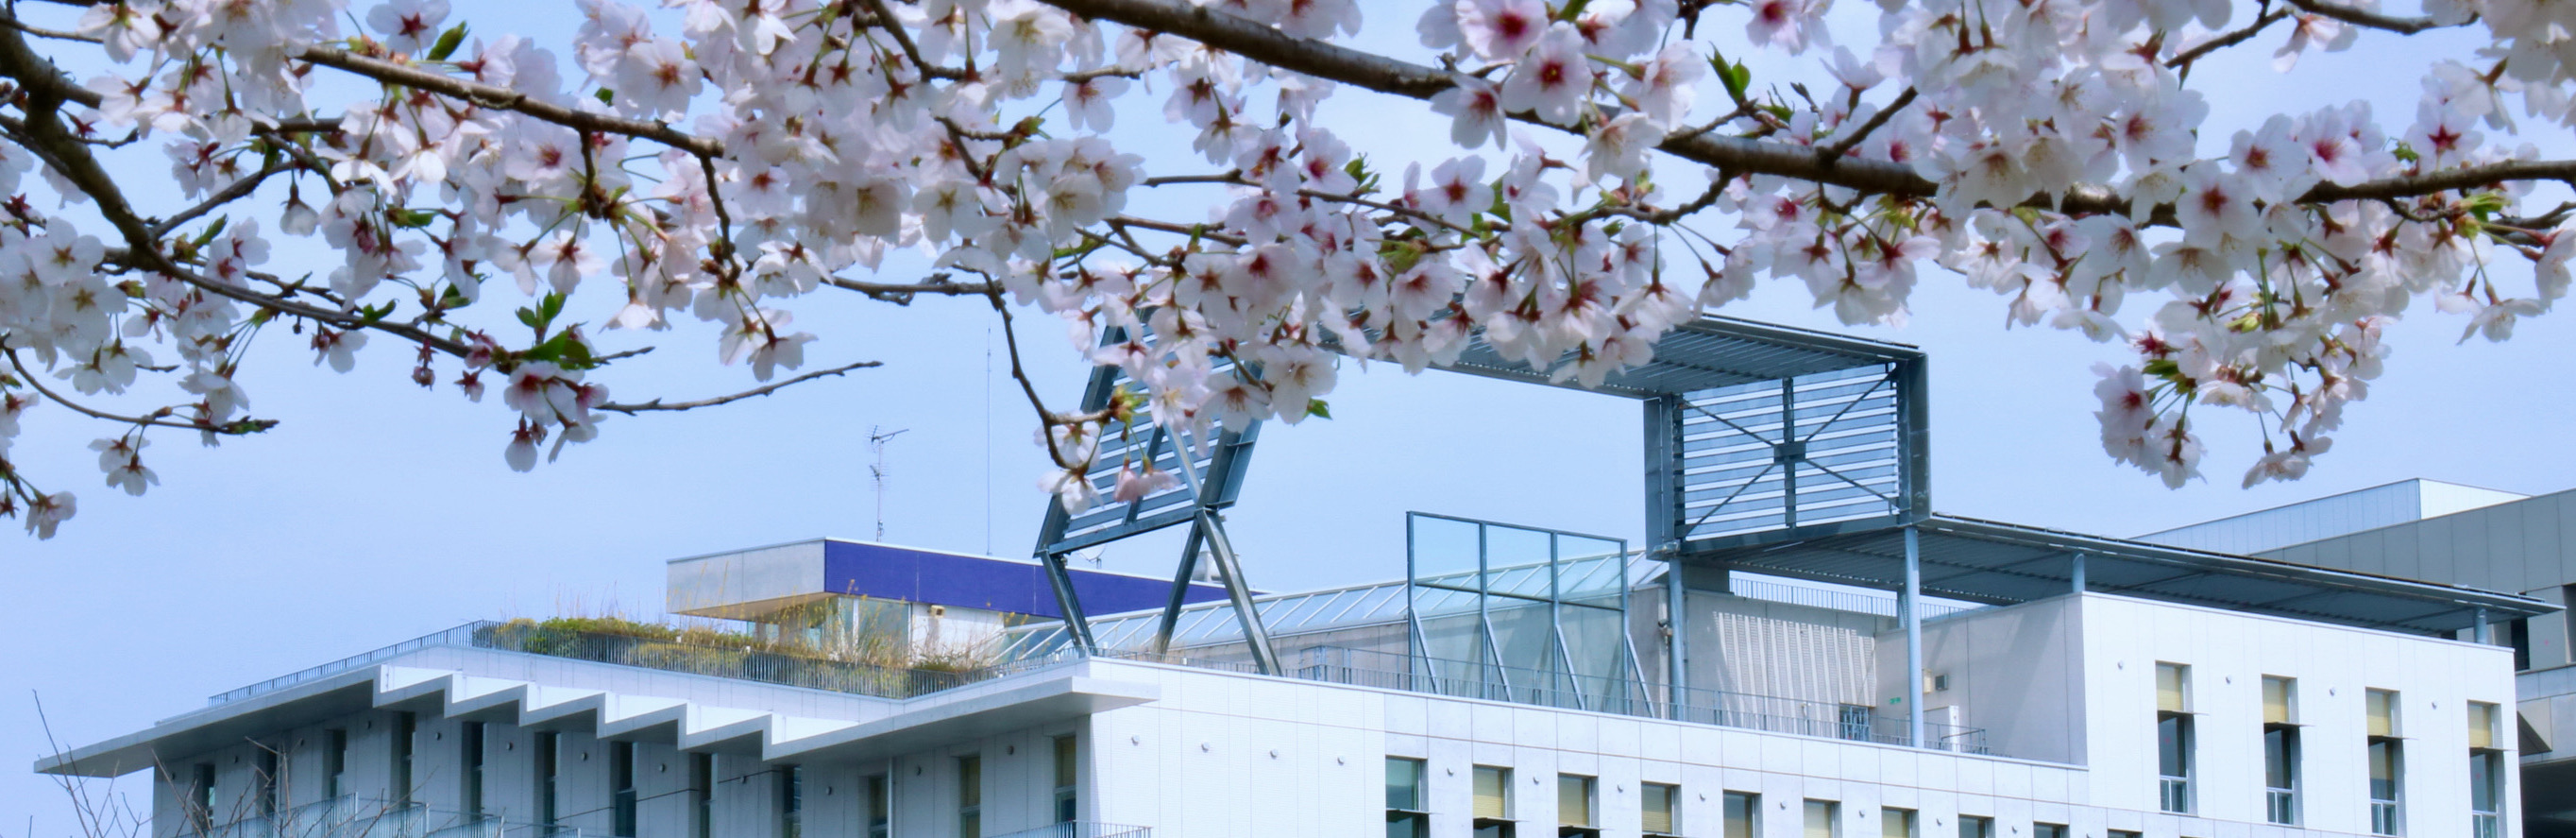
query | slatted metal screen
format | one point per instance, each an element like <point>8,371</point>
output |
<point>1823,451</point>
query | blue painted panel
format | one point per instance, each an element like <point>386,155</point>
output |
<point>896,573</point>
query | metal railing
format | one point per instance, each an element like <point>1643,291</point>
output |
<point>459,636</point>
<point>1080,829</point>
<point>2173,794</point>
<point>355,817</point>
<point>1467,679</point>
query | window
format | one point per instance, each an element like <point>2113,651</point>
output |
<point>1068,801</point>
<point>880,813</point>
<point>549,749</point>
<point>2280,751</point>
<point>702,794</point>
<point>1823,819</point>
<point>1574,804</point>
<point>970,796</point>
<point>791,802</point>
<point>2387,761</point>
<point>472,744</point>
<point>1976,826</point>
<point>1493,789</point>
<point>201,797</point>
<point>2517,633</point>
<point>1657,801</point>
<point>335,764</point>
<point>1405,816</point>
<point>2173,739</point>
<point>2124,833</point>
<point>1896,823</point>
<point>621,788</point>
<point>2048,830</point>
<point>406,726</point>
<point>2486,771</point>
<point>1743,815</point>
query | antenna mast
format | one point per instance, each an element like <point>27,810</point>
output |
<point>877,437</point>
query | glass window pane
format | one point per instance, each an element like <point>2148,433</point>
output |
<point>2276,700</point>
<point>1896,823</point>
<point>1657,803</point>
<point>1820,818</point>
<point>1573,800</point>
<point>1493,792</point>
<point>2382,706</point>
<point>1404,784</point>
<point>1741,811</point>
<point>2170,688</point>
<point>2482,724</point>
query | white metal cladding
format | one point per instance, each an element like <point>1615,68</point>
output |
<point>1816,449</point>
<point>1795,659</point>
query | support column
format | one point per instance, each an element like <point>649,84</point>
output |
<point>2485,632</point>
<point>1254,634</point>
<point>1912,610</point>
<point>1077,625</point>
<point>2079,573</point>
<point>1663,538</point>
<point>1180,591</point>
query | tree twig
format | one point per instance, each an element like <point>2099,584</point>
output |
<point>763,390</point>
<point>1833,153</point>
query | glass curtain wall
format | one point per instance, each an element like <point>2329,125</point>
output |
<point>1519,614</point>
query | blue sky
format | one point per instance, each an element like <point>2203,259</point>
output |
<point>378,511</point>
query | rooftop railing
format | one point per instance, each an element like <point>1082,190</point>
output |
<point>1468,679</point>
<point>1080,829</point>
<point>355,817</point>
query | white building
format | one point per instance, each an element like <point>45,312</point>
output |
<point>1512,681</point>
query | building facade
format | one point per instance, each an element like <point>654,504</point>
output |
<point>1959,677</point>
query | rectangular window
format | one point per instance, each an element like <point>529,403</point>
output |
<point>2124,833</point>
<point>1823,819</point>
<point>1068,799</point>
<point>1896,823</point>
<point>1493,812</point>
<point>1574,804</point>
<point>1976,826</point>
<point>2387,761</point>
<point>1743,815</point>
<point>2280,750</point>
<point>880,809</point>
<point>2048,830</point>
<point>201,797</point>
<point>335,763</point>
<point>2517,634</point>
<point>471,742</point>
<point>791,802</point>
<point>702,795</point>
<point>621,788</point>
<point>549,751</point>
<point>1405,815</point>
<point>2173,738</point>
<point>2486,771</point>
<point>970,796</point>
<point>1658,803</point>
<point>406,727</point>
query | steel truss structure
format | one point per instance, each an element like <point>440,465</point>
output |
<point>1778,450</point>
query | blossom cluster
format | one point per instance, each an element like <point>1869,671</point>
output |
<point>720,160</point>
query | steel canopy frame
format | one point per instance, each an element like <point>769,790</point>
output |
<point>1860,437</point>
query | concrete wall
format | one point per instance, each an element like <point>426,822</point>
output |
<point>2017,672</point>
<point>2229,653</point>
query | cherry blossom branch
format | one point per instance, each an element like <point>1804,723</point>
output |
<point>502,98</point>
<point>246,426</point>
<point>659,405</point>
<point>1203,231</point>
<point>1331,61</point>
<point>912,51</point>
<point>237,190</point>
<point>2185,58</point>
<point>1842,145</point>
<point>2374,20</point>
<point>1235,178</point>
<point>902,293</point>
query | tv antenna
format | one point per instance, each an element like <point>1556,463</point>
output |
<point>877,438</point>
